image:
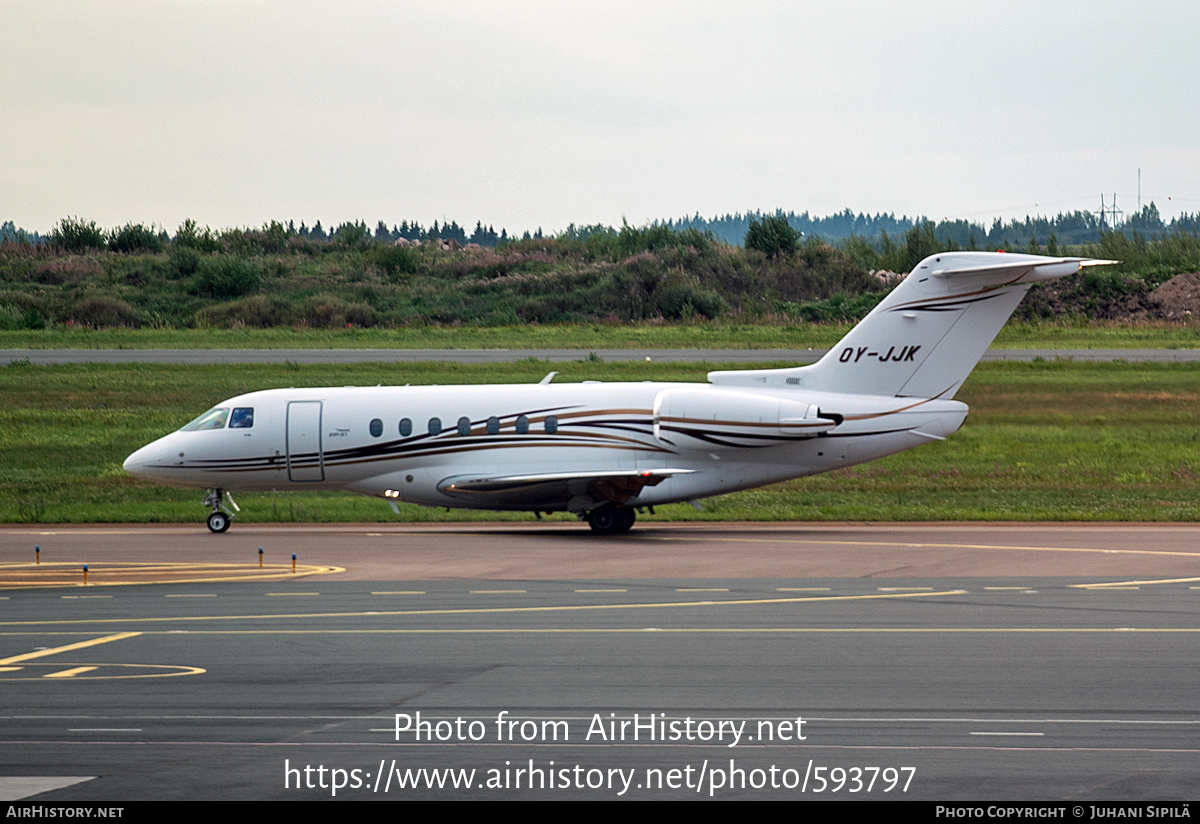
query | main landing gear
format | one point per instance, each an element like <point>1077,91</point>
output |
<point>611,520</point>
<point>222,515</point>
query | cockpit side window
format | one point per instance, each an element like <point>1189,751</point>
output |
<point>212,419</point>
<point>242,417</point>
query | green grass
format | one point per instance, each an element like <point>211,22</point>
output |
<point>1053,440</point>
<point>714,335</point>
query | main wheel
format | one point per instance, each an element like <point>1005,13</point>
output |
<point>219,522</point>
<point>611,520</point>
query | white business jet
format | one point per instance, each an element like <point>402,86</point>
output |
<point>605,451</point>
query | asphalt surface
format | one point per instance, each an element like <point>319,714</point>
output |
<point>947,662</point>
<point>53,356</point>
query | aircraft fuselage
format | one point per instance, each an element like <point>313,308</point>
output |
<point>405,443</point>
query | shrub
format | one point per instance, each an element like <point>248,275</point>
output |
<point>356,235</point>
<point>68,270</point>
<point>681,301</point>
<point>818,271</point>
<point>227,277</point>
<point>659,238</point>
<point>396,261</point>
<point>191,236</point>
<point>836,309</point>
<point>773,236</point>
<point>185,261</point>
<point>324,311</point>
<point>134,237</point>
<point>12,318</point>
<point>32,319</point>
<point>257,312</point>
<point>632,287</point>
<point>104,310</point>
<point>77,235</point>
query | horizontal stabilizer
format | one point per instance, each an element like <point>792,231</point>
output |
<point>1016,268</point>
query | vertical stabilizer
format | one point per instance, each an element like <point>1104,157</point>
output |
<point>923,339</point>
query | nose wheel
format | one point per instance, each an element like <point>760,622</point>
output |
<point>219,522</point>
<point>222,515</point>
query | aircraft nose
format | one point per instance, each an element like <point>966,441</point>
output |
<point>142,460</point>
<point>134,463</point>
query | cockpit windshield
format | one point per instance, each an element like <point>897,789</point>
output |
<point>242,417</point>
<point>212,419</point>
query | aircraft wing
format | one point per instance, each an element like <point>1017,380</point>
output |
<point>576,491</point>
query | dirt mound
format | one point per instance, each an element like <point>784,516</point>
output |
<point>1179,298</point>
<point>1114,297</point>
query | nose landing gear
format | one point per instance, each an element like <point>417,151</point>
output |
<point>222,515</point>
<point>219,521</point>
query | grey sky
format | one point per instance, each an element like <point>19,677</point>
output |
<point>540,114</point>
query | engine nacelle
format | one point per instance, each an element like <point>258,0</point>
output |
<point>722,419</point>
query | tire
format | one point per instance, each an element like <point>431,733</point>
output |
<point>219,522</point>
<point>611,520</point>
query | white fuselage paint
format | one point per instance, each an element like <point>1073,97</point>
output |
<point>601,427</point>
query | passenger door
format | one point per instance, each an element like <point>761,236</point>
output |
<point>306,462</point>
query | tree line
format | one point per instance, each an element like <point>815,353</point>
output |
<point>878,230</point>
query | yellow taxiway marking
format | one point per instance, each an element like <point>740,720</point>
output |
<point>912,545</point>
<point>84,672</point>
<point>481,610</point>
<point>142,573</point>
<point>79,670</point>
<point>42,653</point>
<point>1135,584</point>
<point>68,673</point>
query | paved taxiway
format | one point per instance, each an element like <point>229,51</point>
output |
<point>999,661</point>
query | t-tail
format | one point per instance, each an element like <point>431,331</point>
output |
<point>926,336</point>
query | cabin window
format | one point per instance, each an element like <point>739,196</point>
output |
<point>212,419</point>
<point>551,424</point>
<point>405,427</point>
<point>493,425</point>
<point>464,426</point>
<point>522,424</point>
<point>435,426</point>
<point>242,418</point>
<point>376,427</point>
